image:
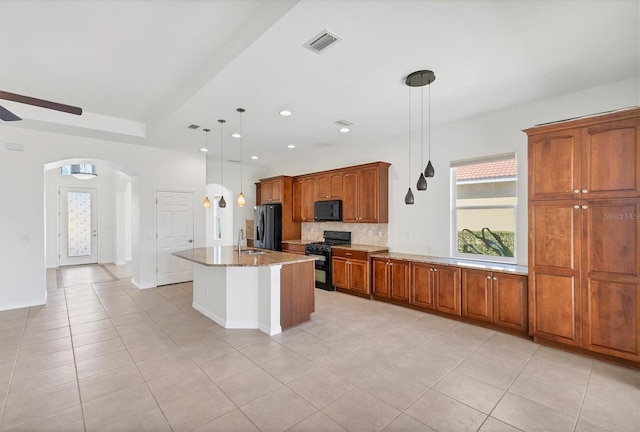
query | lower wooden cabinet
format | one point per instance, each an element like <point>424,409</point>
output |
<point>435,287</point>
<point>495,298</point>
<point>390,279</point>
<point>350,271</point>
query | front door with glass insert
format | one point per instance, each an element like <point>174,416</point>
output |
<point>78,226</point>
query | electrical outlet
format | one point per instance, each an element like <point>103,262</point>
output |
<point>408,234</point>
<point>379,233</point>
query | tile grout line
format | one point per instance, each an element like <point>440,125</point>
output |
<point>584,396</point>
<point>75,364</point>
<point>13,369</point>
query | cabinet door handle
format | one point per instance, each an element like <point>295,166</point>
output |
<point>435,270</point>
<point>576,191</point>
<point>576,206</point>
<point>431,269</point>
<point>584,207</point>
<point>584,191</point>
<point>488,277</point>
<point>495,278</point>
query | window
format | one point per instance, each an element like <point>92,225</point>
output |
<point>484,208</point>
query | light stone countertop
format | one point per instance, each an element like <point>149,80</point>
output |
<point>362,248</point>
<point>227,256</point>
<point>471,264</point>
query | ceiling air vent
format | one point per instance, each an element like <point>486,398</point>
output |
<point>322,41</point>
<point>343,123</point>
<point>193,126</point>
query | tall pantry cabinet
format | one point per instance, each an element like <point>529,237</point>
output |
<point>584,234</point>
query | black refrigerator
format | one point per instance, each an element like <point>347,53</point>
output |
<point>267,227</point>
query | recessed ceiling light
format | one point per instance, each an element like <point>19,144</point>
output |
<point>236,135</point>
<point>285,113</point>
<point>344,129</point>
<point>291,146</point>
<point>204,150</point>
<point>254,157</point>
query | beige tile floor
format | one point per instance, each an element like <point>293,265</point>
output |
<point>102,355</point>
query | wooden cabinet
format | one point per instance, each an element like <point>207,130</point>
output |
<point>350,271</point>
<point>421,285</point>
<point>584,234</point>
<point>446,289</point>
<point>365,193</point>
<point>436,287</point>
<point>303,198</point>
<point>280,190</point>
<point>390,279</point>
<point>597,157</point>
<point>293,248</point>
<point>271,190</point>
<point>329,186</point>
<point>495,298</point>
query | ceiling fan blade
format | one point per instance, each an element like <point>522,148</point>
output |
<point>40,103</point>
<point>7,115</point>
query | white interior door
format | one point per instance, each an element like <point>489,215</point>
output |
<point>174,220</point>
<point>78,226</point>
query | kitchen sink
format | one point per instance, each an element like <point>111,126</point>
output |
<point>251,252</point>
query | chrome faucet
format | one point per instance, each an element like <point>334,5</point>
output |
<point>240,238</point>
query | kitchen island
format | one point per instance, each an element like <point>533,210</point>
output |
<point>262,289</point>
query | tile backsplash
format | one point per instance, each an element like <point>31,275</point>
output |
<point>361,233</point>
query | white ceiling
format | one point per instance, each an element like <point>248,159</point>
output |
<point>144,70</point>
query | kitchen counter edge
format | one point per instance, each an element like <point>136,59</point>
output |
<point>470,264</point>
<point>227,256</point>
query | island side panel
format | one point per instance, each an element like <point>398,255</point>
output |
<point>297,290</point>
<point>269,299</point>
<point>242,297</point>
<point>209,292</point>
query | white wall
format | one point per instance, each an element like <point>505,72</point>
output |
<point>424,228</point>
<point>22,213</point>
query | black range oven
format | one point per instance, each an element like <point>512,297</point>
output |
<point>322,252</point>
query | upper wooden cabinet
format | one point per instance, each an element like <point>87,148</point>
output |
<point>329,186</point>
<point>303,198</point>
<point>365,193</point>
<point>595,157</point>
<point>271,190</point>
<point>363,189</point>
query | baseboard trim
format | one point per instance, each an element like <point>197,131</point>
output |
<point>142,286</point>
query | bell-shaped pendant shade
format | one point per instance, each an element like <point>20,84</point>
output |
<point>422,183</point>
<point>241,200</point>
<point>206,203</point>
<point>408,198</point>
<point>222,203</point>
<point>429,171</point>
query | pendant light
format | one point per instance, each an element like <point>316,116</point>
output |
<point>206,203</point>
<point>241,200</point>
<point>222,203</point>
<point>420,79</point>
<point>408,198</point>
<point>429,171</point>
<point>422,182</point>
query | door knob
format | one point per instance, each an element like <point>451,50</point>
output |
<point>189,241</point>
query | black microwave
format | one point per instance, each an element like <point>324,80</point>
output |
<point>327,210</point>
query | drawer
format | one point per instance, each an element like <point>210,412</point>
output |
<point>348,253</point>
<point>293,248</point>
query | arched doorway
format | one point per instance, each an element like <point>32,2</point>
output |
<point>108,198</point>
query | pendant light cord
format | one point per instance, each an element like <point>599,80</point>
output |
<point>241,138</point>
<point>429,136</point>
<point>409,170</point>
<point>421,126</point>
<point>221,159</point>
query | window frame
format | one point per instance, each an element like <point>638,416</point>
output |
<point>453,232</point>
